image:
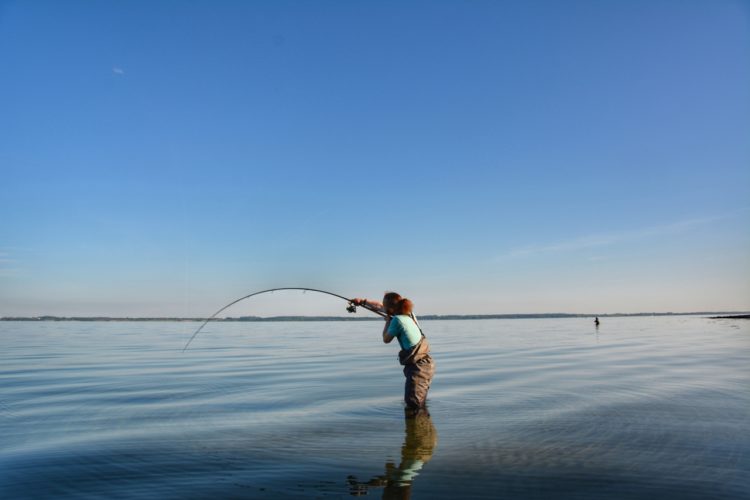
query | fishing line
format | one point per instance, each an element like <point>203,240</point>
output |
<point>350,308</point>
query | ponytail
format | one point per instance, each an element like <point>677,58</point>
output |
<point>404,306</point>
<point>397,304</point>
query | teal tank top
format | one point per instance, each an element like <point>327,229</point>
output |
<point>405,330</point>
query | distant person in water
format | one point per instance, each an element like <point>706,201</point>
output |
<point>401,324</point>
<point>596,321</point>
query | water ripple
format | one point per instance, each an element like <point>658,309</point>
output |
<point>645,407</point>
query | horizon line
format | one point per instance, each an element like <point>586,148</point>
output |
<point>558,315</point>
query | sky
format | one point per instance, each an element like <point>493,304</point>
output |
<point>165,158</point>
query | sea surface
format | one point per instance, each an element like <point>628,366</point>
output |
<point>647,407</point>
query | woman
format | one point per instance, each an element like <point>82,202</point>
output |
<point>401,324</point>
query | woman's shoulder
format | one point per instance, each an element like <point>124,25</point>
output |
<point>398,321</point>
<point>405,321</point>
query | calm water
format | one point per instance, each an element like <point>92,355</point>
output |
<point>641,408</point>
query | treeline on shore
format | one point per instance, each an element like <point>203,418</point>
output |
<point>714,314</point>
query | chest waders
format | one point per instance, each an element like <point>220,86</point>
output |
<point>418,370</point>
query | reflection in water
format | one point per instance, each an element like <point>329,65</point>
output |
<point>419,444</point>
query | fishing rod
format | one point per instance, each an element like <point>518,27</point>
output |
<point>350,308</point>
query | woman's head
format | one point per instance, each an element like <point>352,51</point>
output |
<point>396,304</point>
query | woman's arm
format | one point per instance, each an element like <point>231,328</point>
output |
<point>387,337</point>
<point>371,304</point>
<point>376,306</point>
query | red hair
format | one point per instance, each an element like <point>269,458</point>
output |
<point>397,304</point>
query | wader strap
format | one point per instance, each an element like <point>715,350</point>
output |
<point>414,318</point>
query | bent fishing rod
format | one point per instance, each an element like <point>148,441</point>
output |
<point>350,308</point>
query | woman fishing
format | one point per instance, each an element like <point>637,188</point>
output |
<point>401,324</point>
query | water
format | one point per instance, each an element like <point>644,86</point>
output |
<point>640,408</point>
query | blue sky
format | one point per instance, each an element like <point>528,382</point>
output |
<point>164,158</point>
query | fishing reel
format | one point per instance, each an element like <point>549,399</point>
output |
<point>351,308</point>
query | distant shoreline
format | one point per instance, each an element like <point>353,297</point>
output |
<point>711,314</point>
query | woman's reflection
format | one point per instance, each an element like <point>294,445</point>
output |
<point>419,444</point>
